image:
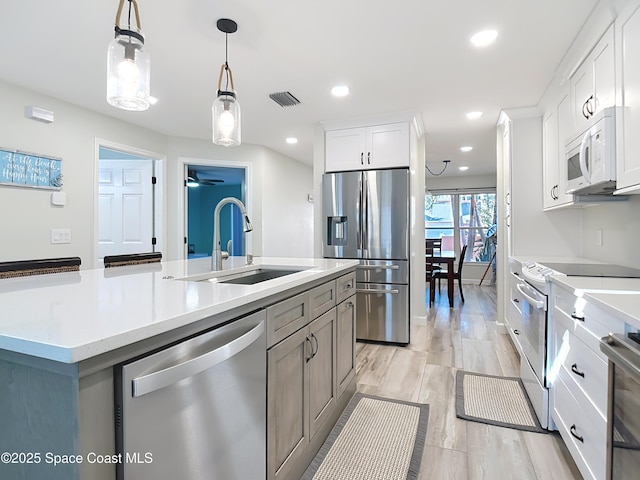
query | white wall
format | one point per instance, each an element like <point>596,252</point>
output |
<point>288,220</point>
<point>27,215</point>
<point>619,223</point>
<point>460,182</point>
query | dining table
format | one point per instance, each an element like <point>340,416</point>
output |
<point>449,260</point>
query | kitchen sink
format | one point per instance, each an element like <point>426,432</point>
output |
<point>246,277</point>
<point>256,276</point>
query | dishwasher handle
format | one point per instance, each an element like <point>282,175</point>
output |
<point>162,378</point>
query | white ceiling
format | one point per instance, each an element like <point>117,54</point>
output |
<point>395,56</point>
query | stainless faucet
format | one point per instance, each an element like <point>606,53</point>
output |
<point>217,254</point>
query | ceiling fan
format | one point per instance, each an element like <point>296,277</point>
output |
<point>193,180</point>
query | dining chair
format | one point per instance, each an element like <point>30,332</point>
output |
<point>433,246</point>
<point>457,275</point>
<point>25,268</point>
<point>131,259</point>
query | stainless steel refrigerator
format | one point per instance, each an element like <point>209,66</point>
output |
<point>366,217</point>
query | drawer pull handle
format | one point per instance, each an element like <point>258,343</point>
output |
<point>515,300</point>
<point>516,331</point>
<point>313,353</point>
<point>572,431</point>
<point>574,369</point>
<point>576,317</point>
<point>311,347</point>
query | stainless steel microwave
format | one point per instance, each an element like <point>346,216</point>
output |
<point>591,156</point>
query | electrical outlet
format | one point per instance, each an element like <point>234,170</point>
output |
<point>60,235</point>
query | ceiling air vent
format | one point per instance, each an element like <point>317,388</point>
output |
<point>284,99</point>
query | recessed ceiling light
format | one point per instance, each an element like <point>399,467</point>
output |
<point>291,140</point>
<point>340,90</point>
<point>463,168</point>
<point>466,149</point>
<point>474,115</point>
<point>484,38</point>
<point>153,100</point>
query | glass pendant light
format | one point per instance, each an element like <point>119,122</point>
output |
<point>128,65</point>
<point>225,112</point>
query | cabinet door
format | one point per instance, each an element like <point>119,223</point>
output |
<point>582,88</point>
<point>322,370</point>
<point>387,146</point>
<point>604,88</point>
<point>550,159</point>
<point>565,129</point>
<point>628,160</point>
<point>346,344</point>
<point>345,149</point>
<point>287,400</point>
<point>593,84</point>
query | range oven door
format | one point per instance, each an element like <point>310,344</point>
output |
<point>533,333</point>
<point>623,421</point>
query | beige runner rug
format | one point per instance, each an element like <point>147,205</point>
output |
<point>375,439</point>
<point>494,400</point>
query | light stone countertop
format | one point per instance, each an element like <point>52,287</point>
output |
<point>74,316</point>
<point>618,296</point>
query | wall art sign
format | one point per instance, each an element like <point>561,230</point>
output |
<point>23,169</point>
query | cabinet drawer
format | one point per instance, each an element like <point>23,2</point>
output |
<point>345,286</point>
<point>578,415</point>
<point>286,317</point>
<point>322,299</point>
<point>585,320</point>
<point>582,368</point>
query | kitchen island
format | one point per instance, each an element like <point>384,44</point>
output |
<point>61,336</point>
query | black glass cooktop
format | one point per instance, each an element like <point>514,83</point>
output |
<point>594,270</point>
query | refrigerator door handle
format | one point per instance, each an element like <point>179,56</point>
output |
<point>373,290</point>
<point>365,211</point>
<point>359,215</point>
<point>379,267</point>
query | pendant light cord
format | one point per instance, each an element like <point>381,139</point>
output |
<point>446,163</point>
<point>135,9</point>
<point>226,58</point>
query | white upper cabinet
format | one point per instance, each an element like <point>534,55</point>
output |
<point>593,83</point>
<point>628,118</point>
<point>379,146</point>
<point>557,125</point>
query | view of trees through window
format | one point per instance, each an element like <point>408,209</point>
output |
<point>463,219</point>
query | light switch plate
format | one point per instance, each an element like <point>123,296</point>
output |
<point>60,235</point>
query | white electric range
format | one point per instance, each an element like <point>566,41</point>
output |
<point>528,317</point>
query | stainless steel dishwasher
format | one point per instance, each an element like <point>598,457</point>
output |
<point>197,409</point>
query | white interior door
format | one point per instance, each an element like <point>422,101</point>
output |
<point>125,207</point>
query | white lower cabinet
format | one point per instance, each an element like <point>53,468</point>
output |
<point>345,344</point>
<point>581,426</point>
<point>578,374</point>
<point>307,373</point>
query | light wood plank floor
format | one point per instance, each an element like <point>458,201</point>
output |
<point>464,337</point>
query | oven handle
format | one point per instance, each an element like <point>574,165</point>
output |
<point>615,352</point>
<point>538,303</point>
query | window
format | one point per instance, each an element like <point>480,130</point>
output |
<point>463,218</point>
